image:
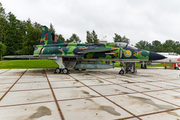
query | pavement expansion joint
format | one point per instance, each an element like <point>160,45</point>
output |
<point>58,107</point>
<point>12,85</point>
<point>4,71</point>
<point>34,103</point>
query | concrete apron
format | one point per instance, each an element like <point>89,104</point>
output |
<point>92,94</point>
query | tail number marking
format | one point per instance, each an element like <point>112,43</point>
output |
<point>47,36</point>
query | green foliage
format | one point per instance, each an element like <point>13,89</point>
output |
<point>24,64</point>
<point>11,38</point>
<point>32,37</point>
<point>73,39</point>
<point>2,50</point>
<point>3,23</point>
<point>52,28</point>
<point>91,37</point>
<point>169,49</point>
<point>143,45</point>
<point>157,46</point>
<point>178,50</point>
<point>156,43</point>
<point>168,43</point>
<point>118,38</point>
<point>94,37</point>
<point>61,37</point>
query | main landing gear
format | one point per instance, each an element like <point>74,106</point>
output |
<point>130,67</point>
<point>143,65</point>
<point>61,66</point>
<point>64,71</point>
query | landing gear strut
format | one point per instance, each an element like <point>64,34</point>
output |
<point>122,69</point>
<point>61,66</point>
<point>143,65</point>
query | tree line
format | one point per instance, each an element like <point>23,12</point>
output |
<point>157,46</point>
<point>17,37</point>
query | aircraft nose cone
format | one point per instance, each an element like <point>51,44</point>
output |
<point>155,56</point>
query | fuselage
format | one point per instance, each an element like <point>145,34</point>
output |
<point>98,51</point>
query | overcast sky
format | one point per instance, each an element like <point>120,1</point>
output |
<point>136,19</point>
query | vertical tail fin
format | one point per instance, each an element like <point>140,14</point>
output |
<point>48,37</point>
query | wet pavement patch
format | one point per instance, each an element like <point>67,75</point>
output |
<point>41,111</point>
<point>85,92</point>
<point>110,110</point>
<point>151,102</point>
<point>100,81</point>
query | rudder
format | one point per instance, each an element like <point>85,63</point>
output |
<point>48,37</point>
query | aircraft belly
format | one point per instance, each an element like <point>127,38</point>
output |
<point>102,59</point>
<point>121,60</point>
<point>92,66</point>
<point>132,60</point>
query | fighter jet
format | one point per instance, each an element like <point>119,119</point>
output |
<point>170,58</point>
<point>87,56</point>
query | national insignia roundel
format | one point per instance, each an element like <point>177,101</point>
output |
<point>127,53</point>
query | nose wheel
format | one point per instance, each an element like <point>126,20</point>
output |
<point>121,72</point>
<point>64,71</point>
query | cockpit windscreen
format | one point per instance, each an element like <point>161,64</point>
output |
<point>121,44</point>
<point>132,47</point>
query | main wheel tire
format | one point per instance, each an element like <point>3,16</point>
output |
<point>126,70</point>
<point>57,70</point>
<point>145,67</point>
<point>121,72</point>
<point>83,69</point>
<point>176,68</point>
<point>65,71</point>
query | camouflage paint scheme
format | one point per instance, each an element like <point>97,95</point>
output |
<point>51,45</point>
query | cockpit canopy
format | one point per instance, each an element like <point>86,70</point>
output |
<point>121,44</point>
<point>125,45</point>
<point>170,54</point>
<point>174,54</point>
<point>132,47</point>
